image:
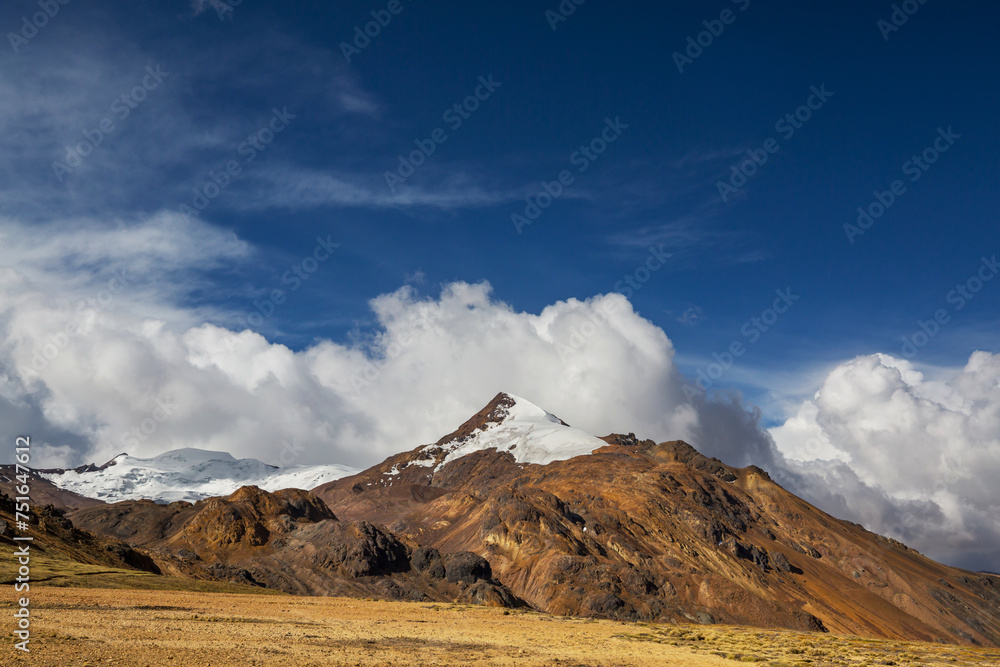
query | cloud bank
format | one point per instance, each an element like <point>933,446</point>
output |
<point>95,345</point>
<point>101,352</point>
<point>907,456</point>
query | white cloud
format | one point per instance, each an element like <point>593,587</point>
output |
<point>91,368</point>
<point>135,359</point>
<point>908,456</point>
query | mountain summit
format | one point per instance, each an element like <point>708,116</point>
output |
<point>512,424</point>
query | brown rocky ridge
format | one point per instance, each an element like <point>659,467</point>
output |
<point>291,541</point>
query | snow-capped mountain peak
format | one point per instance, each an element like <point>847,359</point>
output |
<point>513,424</point>
<point>186,474</point>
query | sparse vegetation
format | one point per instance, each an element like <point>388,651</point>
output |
<point>56,570</point>
<point>81,616</point>
<point>792,649</point>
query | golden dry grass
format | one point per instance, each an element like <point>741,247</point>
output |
<point>55,570</point>
<point>106,626</point>
<point>783,648</point>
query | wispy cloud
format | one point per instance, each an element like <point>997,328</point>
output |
<point>691,316</point>
<point>130,143</point>
<point>689,240</point>
<point>290,188</point>
<point>161,259</point>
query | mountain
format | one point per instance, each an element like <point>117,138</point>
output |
<point>639,530</point>
<point>185,474</point>
<point>517,507</point>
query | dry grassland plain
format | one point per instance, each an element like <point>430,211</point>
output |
<point>87,615</point>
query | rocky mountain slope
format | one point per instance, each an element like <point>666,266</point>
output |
<point>291,541</point>
<point>55,538</point>
<point>44,492</point>
<point>515,505</point>
<point>640,530</point>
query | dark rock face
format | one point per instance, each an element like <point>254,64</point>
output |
<point>365,550</point>
<point>753,553</point>
<point>232,574</point>
<point>303,506</point>
<point>608,605</point>
<point>490,595</point>
<point>780,562</point>
<point>467,566</point>
<point>132,558</point>
<point>429,561</point>
<point>811,623</point>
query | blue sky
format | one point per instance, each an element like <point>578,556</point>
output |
<point>184,87</point>
<point>656,184</point>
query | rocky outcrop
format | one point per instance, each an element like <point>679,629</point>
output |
<point>291,541</point>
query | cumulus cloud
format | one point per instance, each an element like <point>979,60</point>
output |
<point>108,365</point>
<point>102,351</point>
<point>908,456</point>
